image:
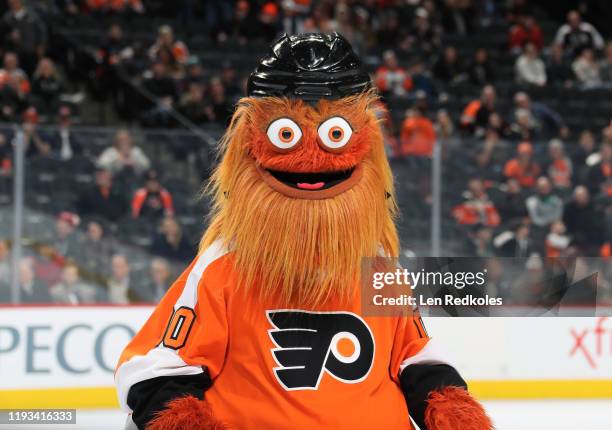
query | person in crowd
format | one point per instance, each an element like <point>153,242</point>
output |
<point>6,162</point>
<point>530,68</point>
<point>523,126</point>
<point>476,114</point>
<point>558,71</point>
<point>599,168</point>
<point>477,209</point>
<point>511,205</point>
<point>586,69</point>
<point>544,207</point>
<point>586,148</point>
<point>17,77</point>
<point>418,135</point>
<point>11,102</point>
<point>35,145</point>
<point>193,105</point>
<point>481,71</point>
<point>605,65</point>
<point>423,36</point>
<point>391,78</point>
<point>71,289</point>
<point>119,285</point>
<point>103,198</point>
<point>541,118</point>
<point>560,167</point>
<point>171,243</point>
<point>269,21</point>
<point>526,30</point>
<point>152,201</point>
<point>584,222</point>
<point>445,129</point>
<point>47,86</point>
<point>448,68</point>
<point>557,241</point>
<point>491,155</point>
<point>5,261</point>
<point>95,252</point>
<point>123,154</point>
<point>27,33</point>
<point>155,285</point>
<point>480,242</point>
<point>523,167</point>
<point>64,238</point>
<point>516,244</point>
<point>576,35</point>
<point>220,108</point>
<point>64,143</point>
<point>163,93</point>
<point>31,290</point>
<point>166,42</point>
<point>458,17</point>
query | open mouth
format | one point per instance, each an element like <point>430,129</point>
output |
<point>312,181</point>
<point>316,185</point>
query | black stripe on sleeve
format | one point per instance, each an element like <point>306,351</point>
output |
<point>418,380</point>
<point>150,396</point>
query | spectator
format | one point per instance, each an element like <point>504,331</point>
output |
<point>31,290</point>
<point>476,113</point>
<point>269,21</point>
<point>247,26</point>
<point>558,71</point>
<point>586,147</point>
<point>577,35</point>
<point>512,203</point>
<point>560,166</point>
<point>163,93</point>
<point>605,65</point>
<point>46,87</point>
<point>124,155</point>
<point>524,126</point>
<point>6,157</point>
<point>599,170</point>
<point>153,289</point>
<point>480,242</point>
<point>64,240</point>
<point>458,17</point>
<point>418,135</point>
<point>220,109</point>
<point>541,118</point>
<point>170,243</point>
<point>516,244</point>
<point>17,78</point>
<point>391,78</point>
<point>95,251</point>
<point>192,104</point>
<point>152,201</point>
<point>477,209</point>
<point>523,168</point>
<point>71,289</point>
<point>557,241</point>
<point>448,68</point>
<point>586,69</point>
<point>64,143</point>
<point>35,145</point>
<point>481,71</point>
<point>445,129</point>
<point>5,261</point>
<point>167,43</point>
<point>544,207</point>
<point>584,223</point>
<point>530,68</point>
<point>120,283</point>
<point>525,31</point>
<point>423,36</point>
<point>10,101</point>
<point>27,33</point>
<point>103,199</point>
<point>491,155</point>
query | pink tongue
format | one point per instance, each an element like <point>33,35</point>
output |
<point>307,186</point>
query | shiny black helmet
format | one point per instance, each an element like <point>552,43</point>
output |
<point>309,67</point>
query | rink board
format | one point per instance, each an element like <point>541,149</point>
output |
<point>65,356</point>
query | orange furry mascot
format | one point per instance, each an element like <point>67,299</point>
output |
<point>264,329</point>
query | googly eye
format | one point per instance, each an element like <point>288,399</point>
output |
<point>335,132</point>
<point>284,133</point>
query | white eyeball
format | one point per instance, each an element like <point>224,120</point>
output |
<point>284,133</point>
<point>335,132</point>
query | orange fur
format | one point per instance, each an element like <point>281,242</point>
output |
<point>453,408</point>
<point>186,413</point>
<point>302,251</point>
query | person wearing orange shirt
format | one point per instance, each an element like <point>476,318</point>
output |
<point>391,78</point>
<point>523,167</point>
<point>418,135</point>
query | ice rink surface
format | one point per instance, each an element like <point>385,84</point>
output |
<point>507,415</point>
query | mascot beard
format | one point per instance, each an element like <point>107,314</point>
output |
<point>252,333</point>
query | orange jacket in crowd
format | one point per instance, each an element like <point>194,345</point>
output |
<point>483,213</point>
<point>387,79</point>
<point>418,137</point>
<point>526,175</point>
<point>140,197</point>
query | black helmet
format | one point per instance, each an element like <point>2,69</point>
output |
<point>309,67</point>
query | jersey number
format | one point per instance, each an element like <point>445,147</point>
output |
<point>179,327</point>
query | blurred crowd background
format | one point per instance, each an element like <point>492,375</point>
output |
<point>120,104</point>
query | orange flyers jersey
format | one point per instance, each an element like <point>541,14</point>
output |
<point>276,368</point>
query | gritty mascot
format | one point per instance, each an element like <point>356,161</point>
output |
<point>264,329</point>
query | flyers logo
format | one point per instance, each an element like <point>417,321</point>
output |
<point>309,344</point>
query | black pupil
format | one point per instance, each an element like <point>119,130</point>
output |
<point>336,134</point>
<point>286,134</point>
